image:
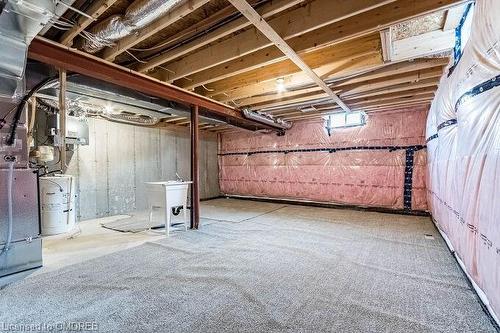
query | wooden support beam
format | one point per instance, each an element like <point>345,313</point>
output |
<point>195,174</point>
<point>174,119</point>
<point>423,45</point>
<point>95,10</point>
<point>307,33</point>
<point>183,122</point>
<point>453,17</point>
<point>59,56</point>
<point>266,10</point>
<point>386,39</point>
<point>171,17</point>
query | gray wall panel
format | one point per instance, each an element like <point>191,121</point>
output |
<point>112,169</point>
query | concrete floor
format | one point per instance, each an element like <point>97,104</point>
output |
<point>91,240</point>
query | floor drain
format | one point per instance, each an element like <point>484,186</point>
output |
<point>428,236</point>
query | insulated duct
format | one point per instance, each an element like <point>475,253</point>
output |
<point>267,119</point>
<point>138,15</point>
<point>20,22</point>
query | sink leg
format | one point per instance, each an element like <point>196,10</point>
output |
<point>184,211</point>
<point>167,221</point>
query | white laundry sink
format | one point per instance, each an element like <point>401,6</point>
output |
<point>168,194</point>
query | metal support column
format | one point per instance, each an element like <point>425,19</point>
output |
<point>195,175</point>
<point>62,118</point>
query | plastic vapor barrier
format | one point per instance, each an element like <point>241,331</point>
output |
<point>463,140</point>
<point>381,164</point>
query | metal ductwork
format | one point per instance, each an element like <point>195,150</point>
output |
<point>20,22</point>
<point>138,15</point>
<point>267,119</point>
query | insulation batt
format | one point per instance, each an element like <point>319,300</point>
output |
<point>355,177</point>
<point>463,174</point>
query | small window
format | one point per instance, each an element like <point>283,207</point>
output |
<point>345,119</point>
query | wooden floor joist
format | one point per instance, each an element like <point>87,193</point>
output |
<point>171,17</point>
<point>290,26</point>
<point>266,11</point>
<point>96,9</point>
<point>228,55</point>
<point>312,34</point>
<point>55,54</point>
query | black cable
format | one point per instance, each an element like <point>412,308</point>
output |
<point>2,5</point>
<point>20,108</point>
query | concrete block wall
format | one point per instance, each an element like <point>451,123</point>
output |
<point>112,169</point>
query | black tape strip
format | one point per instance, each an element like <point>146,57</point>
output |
<point>457,50</point>
<point>446,124</point>
<point>479,89</point>
<point>329,150</point>
<point>432,137</point>
<point>408,181</point>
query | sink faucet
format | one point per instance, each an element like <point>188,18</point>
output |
<point>179,177</point>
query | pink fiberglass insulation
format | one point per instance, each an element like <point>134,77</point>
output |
<point>463,133</point>
<point>362,166</point>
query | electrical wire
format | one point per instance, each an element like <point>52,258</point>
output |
<point>166,69</point>
<point>207,89</point>
<point>137,59</point>
<point>17,116</point>
<point>53,182</point>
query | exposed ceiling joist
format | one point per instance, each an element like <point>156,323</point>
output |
<point>291,26</point>
<point>352,95</point>
<point>266,10</point>
<point>269,32</point>
<point>311,37</point>
<point>353,88</point>
<point>326,72</point>
<point>190,33</point>
<point>59,56</point>
<point>250,70</point>
<point>95,10</point>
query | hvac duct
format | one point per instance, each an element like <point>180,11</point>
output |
<point>20,22</point>
<point>266,119</point>
<point>138,15</point>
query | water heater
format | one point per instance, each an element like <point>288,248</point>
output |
<point>57,204</point>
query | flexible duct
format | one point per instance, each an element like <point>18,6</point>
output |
<point>138,15</point>
<point>267,119</point>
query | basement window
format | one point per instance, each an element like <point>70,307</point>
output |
<point>345,119</point>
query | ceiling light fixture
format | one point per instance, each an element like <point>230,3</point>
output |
<point>280,85</point>
<point>108,109</point>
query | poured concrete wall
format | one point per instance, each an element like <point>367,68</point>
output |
<point>112,169</point>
